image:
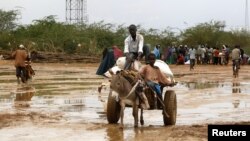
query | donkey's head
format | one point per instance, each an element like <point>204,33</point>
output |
<point>120,85</point>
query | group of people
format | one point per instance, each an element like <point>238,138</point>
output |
<point>134,49</point>
<point>236,55</point>
<point>202,54</point>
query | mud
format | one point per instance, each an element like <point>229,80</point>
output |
<point>62,103</point>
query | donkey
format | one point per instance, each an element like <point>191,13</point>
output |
<point>128,94</point>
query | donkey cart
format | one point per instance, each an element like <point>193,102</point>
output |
<point>168,106</point>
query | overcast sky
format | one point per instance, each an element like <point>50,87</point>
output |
<point>157,14</point>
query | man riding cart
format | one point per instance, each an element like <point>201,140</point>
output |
<point>154,78</point>
<point>144,86</point>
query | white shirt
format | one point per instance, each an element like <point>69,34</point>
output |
<point>134,46</point>
<point>203,51</point>
<point>192,53</point>
<point>236,54</point>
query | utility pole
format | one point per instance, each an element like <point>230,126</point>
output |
<point>76,11</point>
<point>246,17</point>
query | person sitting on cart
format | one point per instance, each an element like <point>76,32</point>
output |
<point>154,78</point>
<point>133,47</point>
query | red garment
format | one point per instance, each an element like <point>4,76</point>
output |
<point>117,52</point>
<point>181,59</point>
<point>216,53</point>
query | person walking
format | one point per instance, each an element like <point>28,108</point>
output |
<point>133,48</point>
<point>236,56</point>
<point>192,53</point>
<point>20,56</point>
<point>107,62</point>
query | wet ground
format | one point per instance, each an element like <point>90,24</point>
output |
<point>62,103</point>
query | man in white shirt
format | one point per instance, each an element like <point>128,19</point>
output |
<point>236,55</point>
<point>133,48</point>
<point>192,53</point>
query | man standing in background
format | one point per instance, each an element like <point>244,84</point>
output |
<point>157,52</point>
<point>192,53</point>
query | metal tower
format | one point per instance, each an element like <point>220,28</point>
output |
<point>246,16</point>
<point>76,11</point>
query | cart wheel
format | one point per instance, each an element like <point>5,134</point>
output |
<point>113,109</point>
<point>170,107</point>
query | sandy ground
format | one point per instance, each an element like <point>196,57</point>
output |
<point>62,103</point>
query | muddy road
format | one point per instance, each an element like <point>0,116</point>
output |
<point>62,103</point>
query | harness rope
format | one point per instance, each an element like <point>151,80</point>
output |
<point>135,79</point>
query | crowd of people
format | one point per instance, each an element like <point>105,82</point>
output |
<point>201,54</point>
<point>136,49</point>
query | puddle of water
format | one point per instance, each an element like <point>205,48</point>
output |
<point>6,73</point>
<point>75,94</point>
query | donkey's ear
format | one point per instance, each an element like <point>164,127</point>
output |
<point>111,72</point>
<point>118,72</point>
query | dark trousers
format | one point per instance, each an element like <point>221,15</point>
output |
<point>130,58</point>
<point>19,71</point>
<point>192,63</point>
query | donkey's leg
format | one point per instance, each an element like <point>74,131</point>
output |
<point>135,114</point>
<point>141,117</point>
<point>122,113</point>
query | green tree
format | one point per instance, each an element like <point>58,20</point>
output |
<point>204,33</point>
<point>7,24</point>
<point>8,20</point>
<point>48,35</point>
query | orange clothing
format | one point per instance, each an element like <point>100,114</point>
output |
<point>20,56</point>
<point>154,74</point>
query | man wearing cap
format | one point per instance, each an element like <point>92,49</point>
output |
<point>133,48</point>
<point>20,56</point>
